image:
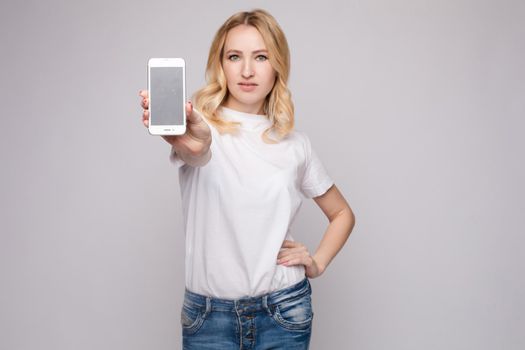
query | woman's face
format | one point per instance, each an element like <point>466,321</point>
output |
<point>249,75</point>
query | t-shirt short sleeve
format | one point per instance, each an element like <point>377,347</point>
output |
<point>316,180</point>
<point>175,158</point>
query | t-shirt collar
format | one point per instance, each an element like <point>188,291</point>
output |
<point>248,120</point>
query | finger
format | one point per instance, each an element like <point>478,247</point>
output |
<point>297,251</point>
<point>291,261</point>
<point>143,93</point>
<point>145,118</point>
<point>281,258</point>
<point>287,255</point>
<point>288,251</point>
<point>298,259</point>
<point>145,103</point>
<point>289,244</point>
<point>191,117</point>
<point>295,261</point>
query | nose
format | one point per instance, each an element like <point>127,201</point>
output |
<point>247,69</point>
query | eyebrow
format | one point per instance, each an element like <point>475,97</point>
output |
<point>238,51</point>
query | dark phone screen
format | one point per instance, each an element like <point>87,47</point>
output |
<point>166,96</point>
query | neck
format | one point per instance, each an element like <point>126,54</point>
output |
<point>251,109</point>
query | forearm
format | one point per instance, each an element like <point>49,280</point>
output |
<point>334,238</point>
<point>197,160</point>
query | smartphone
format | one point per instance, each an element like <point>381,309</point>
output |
<point>167,96</point>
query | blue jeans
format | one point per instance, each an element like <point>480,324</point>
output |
<point>278,320</point>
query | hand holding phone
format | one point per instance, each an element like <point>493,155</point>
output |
<point>167,92</point>
<point>197,139</point>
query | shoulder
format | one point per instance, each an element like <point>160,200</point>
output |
<point>299,138</point>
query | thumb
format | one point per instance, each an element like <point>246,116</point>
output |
<point>191,117</point>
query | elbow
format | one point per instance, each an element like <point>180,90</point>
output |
<point>349,218</point>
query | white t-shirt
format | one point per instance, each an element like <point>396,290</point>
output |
<point>239,207</point>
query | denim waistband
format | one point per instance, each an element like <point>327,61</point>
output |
<point>258,302</point>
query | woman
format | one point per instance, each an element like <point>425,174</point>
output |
<point>243,172</point>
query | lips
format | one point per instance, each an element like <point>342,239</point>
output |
<point>247,87</point>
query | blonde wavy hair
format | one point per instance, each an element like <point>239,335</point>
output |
<point>278,105</point>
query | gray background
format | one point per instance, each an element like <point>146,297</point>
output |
<point>415,107</point>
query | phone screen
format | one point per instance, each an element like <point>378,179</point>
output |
<point>167,95</point>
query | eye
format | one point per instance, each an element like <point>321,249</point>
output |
<point>233,57</point>
<point>264,58</point>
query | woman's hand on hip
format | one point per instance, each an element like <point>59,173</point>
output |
<point>296,253</point>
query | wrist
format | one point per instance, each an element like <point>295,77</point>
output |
<point>320,266</point>
<point>200,159</point>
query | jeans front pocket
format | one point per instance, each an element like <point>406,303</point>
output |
<point>192,317</point>
<point>294,313</point>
